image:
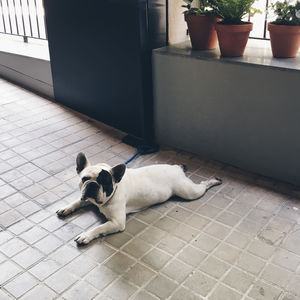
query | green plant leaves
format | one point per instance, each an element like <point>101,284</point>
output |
<point>233,11</point>
<point>197,7</point>
<point>287,12</point>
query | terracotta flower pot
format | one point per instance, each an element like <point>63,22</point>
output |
<point>233,38</point>
<point>202,31</point>
<point>285,40</point>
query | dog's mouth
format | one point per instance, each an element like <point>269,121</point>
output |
<point>91,190</point>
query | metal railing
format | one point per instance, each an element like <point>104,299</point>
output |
<point>23,18</point>
<point>26,18</point>
<point>260,21</point>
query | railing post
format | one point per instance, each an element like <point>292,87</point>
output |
<point>266,19</point>
<point>25,39</point>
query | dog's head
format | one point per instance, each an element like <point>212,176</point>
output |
<point>98,182</point>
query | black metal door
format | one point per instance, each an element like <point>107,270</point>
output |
<point>101,59</point>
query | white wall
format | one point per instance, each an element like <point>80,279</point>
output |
<point>177,25</point>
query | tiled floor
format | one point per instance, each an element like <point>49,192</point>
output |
<point>240,241</point>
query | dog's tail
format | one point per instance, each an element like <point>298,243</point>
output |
<point>184,168</point>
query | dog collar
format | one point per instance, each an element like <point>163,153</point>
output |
<point>101,205</point>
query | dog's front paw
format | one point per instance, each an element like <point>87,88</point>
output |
<point>64,211</point>
<point>83,238</point>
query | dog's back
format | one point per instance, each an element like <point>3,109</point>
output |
<point>150,185</point>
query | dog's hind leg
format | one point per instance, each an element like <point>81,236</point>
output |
<point>189,190</point>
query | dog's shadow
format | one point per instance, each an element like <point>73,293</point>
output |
<point>92,213</point>
<point>85,218</point>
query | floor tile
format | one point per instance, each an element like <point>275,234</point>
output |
<point>143,295</point>
<point>241,240</point>
<point>263,291</point>
<point>10,217</point>
<point>223,292</point>
<point>217,230</point>
<point>186,294</point>
<point>39,292</point>
<point>120,290</point>
<point>13,247</point>
<point>48,244</point>
<point>170,244</point>
<point>161,286</point>
<point>81,290</point>
<point>119,263</point>
<point>250,263</point>
<point>60,281</point>
<point>214,267</point>
<point>99,251</point>
<point>227,253</point>
<point>44,269</point>
<point>8,270</point>
<point>101,276</point>
<point>27,257</point>
<point>192,256</point>
<point>200,283</point>
<point>239,280</point>
<point>139,274</point>
<point>177,270</point>
<point>81,265</point>
<point>286,259</point>
<point>33,235</point>
<point>156,259</point>
<point>205,242</point>
<point>293,286</point>
<point>137,247</point>
<point>118,240</point>
<point>21,284</point>
<point>134,226</point>
<point>276,275</point>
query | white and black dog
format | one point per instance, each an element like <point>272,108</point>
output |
<point>118,191</point>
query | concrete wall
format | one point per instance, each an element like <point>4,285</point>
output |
<point>29,72</point>
<point>241,114</point>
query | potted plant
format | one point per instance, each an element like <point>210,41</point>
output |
<point>201,22</point>
<point>285,30</point>
<point>233,33</point>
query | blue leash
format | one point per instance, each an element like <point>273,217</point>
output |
<point>133,157</point>
<point>143,149</point>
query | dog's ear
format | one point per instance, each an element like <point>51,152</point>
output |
<point>118,172</point>
<point>81,162</point>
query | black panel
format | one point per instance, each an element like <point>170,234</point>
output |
<point>101,58</point>
<point>157,20</point>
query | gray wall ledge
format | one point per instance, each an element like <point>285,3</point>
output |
<point>258,53</point>
<point>26,64</point>
<point>240,111</point>
<point>29,72</point>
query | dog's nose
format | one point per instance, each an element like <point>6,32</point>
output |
<point>91,190</point>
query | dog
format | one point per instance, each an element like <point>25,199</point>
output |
<point>119,191</point>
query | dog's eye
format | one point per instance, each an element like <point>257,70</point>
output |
<point>86,178</point>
